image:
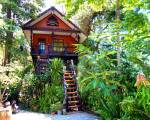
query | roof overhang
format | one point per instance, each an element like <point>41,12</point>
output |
<point>28,27</point>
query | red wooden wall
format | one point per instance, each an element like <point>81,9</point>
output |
<point>43,23</point>
<point>68,40</point>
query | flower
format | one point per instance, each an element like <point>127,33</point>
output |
<point>141,80</point>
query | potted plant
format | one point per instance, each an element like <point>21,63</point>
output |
<point>5,113</point>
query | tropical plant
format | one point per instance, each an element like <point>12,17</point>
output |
<point>51,98</point>
<point>136,107</point>
<point>14,12</point>
<point>52,95</point>
<point>56,70</point>
<point>99,76</point>
<point>42,92</point>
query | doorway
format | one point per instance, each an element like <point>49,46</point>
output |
<point>42,45</point>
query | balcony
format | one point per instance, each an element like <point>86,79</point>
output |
<point>54,51</point>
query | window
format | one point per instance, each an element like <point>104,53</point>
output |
<point>52,21</point>
<point>42,46</point>
<point>58,45</point>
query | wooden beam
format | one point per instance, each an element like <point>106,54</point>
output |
<point>31,38</point>
<point>52,29</point>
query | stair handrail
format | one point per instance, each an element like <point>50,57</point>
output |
<point>73,68</point>
<point>65,90</point>
<point>75,75</point>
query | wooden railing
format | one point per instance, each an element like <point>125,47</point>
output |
<point>53,50</point>
<point>70,79</point>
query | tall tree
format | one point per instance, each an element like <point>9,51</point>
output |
<point>14,13</point>
<point>118,36</point>
<point>85,11</point>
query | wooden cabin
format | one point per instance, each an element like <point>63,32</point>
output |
<point>51,36</point>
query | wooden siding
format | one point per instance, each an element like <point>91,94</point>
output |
<point>68,40</point>
<point>43,24</point>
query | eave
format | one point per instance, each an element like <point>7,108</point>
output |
<point>51,29</point>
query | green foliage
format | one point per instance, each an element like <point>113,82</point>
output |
<point>143,98</point>
<point>56,70</point>
<point>30,88</point>
<point>13,14</point>
<point>43,93</point>
<point>136,107</point>
<point>74,5</point>
<point>104,88</point>
<point>51,98</point>
<point>128,104</point>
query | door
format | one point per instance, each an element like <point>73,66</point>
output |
<point>42,46</point>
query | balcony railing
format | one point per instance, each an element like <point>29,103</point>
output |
<point>54,50</point>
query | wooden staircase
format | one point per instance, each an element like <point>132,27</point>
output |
<point>72,98</point>
<point>41,66</point>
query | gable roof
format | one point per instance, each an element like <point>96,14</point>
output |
<point>74,28</point>
<point>51,10</point>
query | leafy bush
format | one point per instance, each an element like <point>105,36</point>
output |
<point>137,107</point>
<point>44,92</point>
<point>52,95</point>
<point>28,90</point>
<point>56,70</point>
<point>143,98</point>
<point>103,86</point>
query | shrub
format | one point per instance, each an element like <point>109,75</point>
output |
<point>52,95</point>
<point>137,107</point>
<point>51,98</point>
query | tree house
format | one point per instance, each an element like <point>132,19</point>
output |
<point>52,36</point>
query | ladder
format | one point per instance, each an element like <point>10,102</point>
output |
<point>72,98</point>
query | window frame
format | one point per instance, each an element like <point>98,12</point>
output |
<point>58,45</point>
<point>52,21</point>
<point>42,45</point>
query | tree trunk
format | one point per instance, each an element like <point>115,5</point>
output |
<point>8,42</point>
<point>118,35</point>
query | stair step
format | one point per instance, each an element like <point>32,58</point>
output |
<point>70,80</point>
<point>68,73</point>
<point>68,77</point>
<point>45,65</point>
<point>70,97</point>
<point>71,84</point>
<point>73,102</point>
<point>71,88</point>
<point>73,106</point>
<point>75,109</point>
<point>72,92</point>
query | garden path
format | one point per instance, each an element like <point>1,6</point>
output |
<point>24,115</point>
